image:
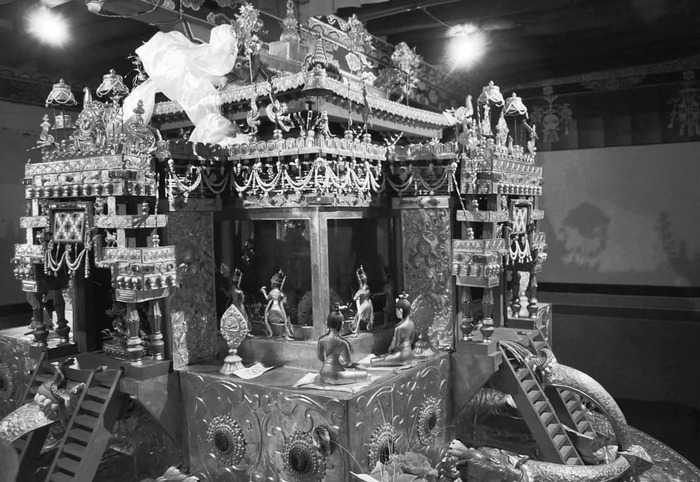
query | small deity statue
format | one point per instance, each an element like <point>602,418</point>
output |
<point>486,122</point>
<point>502,131</point>
<point>334,351</point>
<point>532,131</point>
<point>223,283</point>
<point>275,312</point>
<point>363,303</point>
<point>400,350</point>
<point>237,297</point>
<point>388,294</point>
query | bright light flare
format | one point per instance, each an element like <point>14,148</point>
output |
<point>467,45</point>
<point>48,27</point>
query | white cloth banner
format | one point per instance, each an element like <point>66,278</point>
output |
<point>187,73</point>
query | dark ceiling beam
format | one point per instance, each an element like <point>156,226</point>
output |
<point>392,7</point>
<point>538,19</point>
<point>102,55</point>
<point>512,64</point>
<point>143,11</point>
<point>512,11</point>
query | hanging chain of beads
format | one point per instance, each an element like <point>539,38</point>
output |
<point>297,186</point>
<point>54,264</point>
<point>217,187</point>
<point>321,178</point>
<point>520,250</point>
<point>416,180</point>
<point>174,181</point>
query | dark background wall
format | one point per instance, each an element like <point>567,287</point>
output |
<point>19,130</point>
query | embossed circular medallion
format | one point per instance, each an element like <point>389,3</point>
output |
<point>7,384</point>
<point>382,444</point>
<point>429,420</point>
<point>226,440</point>
<point>302,460</point>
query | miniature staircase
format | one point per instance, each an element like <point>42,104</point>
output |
<point>538,413</point>
<point>80,452</point>
<point>566,403</point>
<point>29,445</point>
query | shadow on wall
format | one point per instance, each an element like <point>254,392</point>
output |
<point>584,234</point>
<point>676,252</point>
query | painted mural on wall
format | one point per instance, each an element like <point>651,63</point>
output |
<point>192,306</point>
<point>427,271</point>
<point>553,119</point>
<point>685,110</point>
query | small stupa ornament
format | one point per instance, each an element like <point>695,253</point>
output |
<point>289,45</point>
<point>318,64</point>
<point>290,32</point>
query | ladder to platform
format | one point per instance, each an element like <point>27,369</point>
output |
<point>567,404</point>
<point>538,413</point>
<point>85,440</point>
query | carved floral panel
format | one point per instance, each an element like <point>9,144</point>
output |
<point>426,242</point>
<point>191,306</point>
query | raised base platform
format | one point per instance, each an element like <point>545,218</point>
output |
<point>262,429</point>
<point>302,354</point>
<point>542,321</point>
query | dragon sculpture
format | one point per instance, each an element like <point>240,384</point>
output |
<point>54,401</point>
<point>492,464</point>
<point>628,461</point>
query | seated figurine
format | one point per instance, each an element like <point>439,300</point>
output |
<point>400,350</point>
<point>334,351</point>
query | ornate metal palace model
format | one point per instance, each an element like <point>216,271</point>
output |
<point>303,166</point>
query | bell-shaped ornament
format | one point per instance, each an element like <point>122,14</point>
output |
<point>491,95</point>
<point>112,84</point>
<point>514,106</point>
<point>60,95</point>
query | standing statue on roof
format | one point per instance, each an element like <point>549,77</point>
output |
<point>363,303</point>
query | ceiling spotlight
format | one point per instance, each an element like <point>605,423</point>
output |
<point>461,30</point>
<point>47,26</point>
<point>94,6</point>
<point>465,49</point>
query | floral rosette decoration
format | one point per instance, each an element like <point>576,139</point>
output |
<point>247,26</point>
<point>403,77</point>
<point>359,44</point>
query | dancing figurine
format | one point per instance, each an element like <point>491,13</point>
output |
<point>400,350</point>
<point>363,303</point>
<point>275,312</point>
<point>334,351</point>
